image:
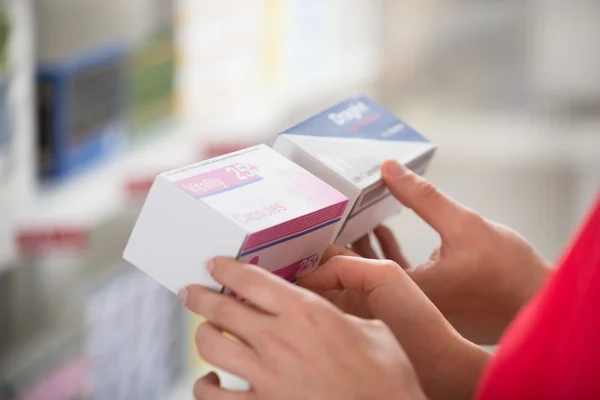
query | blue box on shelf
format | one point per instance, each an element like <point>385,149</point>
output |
<point>81,110</point>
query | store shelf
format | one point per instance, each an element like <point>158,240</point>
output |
<point>94,195</point>
<point>465,136</point>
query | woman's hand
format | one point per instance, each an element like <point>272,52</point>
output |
<point>481,274</point>
<point>292,343</point>
<point>448,365</point>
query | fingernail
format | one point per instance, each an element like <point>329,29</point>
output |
<point>210,266</point>
<point>394,169</point>
<point>183,296</point>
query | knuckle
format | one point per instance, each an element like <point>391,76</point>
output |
<point>388,268</point>
<point>205,340</point>
<point>247,277</point>
<point>424,188</point>
<point>379,325</point>
<point>202,332</point>
<point>224,311</point>
<point>474,220</point>
<point>379,328</point>
<point>472,225</point>
<point>308,309</point>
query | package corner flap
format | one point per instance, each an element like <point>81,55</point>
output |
<point>291,147</point>
<point>170,242</point>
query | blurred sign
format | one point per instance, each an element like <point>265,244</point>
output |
<point>36,242</point>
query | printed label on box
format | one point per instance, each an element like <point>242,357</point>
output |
<point>357,117</point>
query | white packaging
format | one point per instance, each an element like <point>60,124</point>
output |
<point>253,205</point>
<point>345,146</point>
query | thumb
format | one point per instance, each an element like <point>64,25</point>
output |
<point>436,209</point>
<point>352,273</point>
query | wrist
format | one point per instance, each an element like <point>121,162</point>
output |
<point>456,371</point>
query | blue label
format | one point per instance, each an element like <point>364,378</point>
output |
<point>357,117</point>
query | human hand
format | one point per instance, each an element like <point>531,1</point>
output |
<point>448,365</point>
<point>292,343</point>
<point>481,274</point>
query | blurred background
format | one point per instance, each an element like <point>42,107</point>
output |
<point>98,96</point>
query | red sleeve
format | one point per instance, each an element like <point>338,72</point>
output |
<point>552,349</point>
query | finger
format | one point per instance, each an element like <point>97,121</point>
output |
<point>363,247</point>
<point>334,250</point>
<point>343,272</point>
<point>208,388</point>
<point>390,247</point>
<point>228,314</point>
<point>225,353</point>
<point>438,210</point>
<point>264,290</point>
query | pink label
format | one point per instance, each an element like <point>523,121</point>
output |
<point>289,273</point>
<point>220,180</point>
<point>299,268</point>
<point>296,226</point>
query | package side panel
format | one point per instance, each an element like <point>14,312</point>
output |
<point>176,235</point>
<point>367,219</point>
<point>376,204</point>
<point>296,154</point>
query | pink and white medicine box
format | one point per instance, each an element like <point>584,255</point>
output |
<point>254,205</point>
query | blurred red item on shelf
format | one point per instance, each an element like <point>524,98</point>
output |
<point>137,189</point>
<point>218,149</point>
<point>37,241</point>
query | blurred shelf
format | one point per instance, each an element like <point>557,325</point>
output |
<point>94,195</point>
<point>469,137</point>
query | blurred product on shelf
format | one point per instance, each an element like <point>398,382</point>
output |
<point>17,165</point>
<point>220,58</point>
<point>81,110</point>
<point>152,64</point>
<point>326,44</point>
<point>52,363</point>
<point>134,338</point>
<point>5,312</point>
<point>345,146</point>
<point>106,73</point>
<point>284,224</point>
<point>130,343</point>
<point>82,83</point>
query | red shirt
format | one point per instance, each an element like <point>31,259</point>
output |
<point>552,349</point>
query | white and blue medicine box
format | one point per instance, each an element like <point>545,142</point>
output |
<point>81,110</point>
<point>345,146</point>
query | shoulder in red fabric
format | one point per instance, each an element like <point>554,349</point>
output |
<point>552,349</point>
